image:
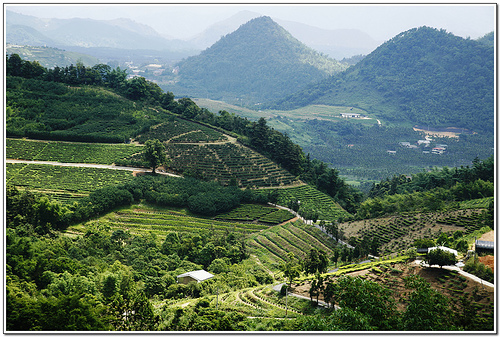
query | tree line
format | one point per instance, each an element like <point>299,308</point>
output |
<point>431,191</point>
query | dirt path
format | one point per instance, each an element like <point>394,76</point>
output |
<point>102,166</point>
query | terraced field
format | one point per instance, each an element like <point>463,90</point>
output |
<point>272,245</point>
<point>398,232</point>
<point>225,161</point>
<point>312,200</point>
<point>66,152</point>
<point>260,213</point>
<point>144,219</point>
<point>258,302</point>
<point>63,183</point>
<point>178,130</point>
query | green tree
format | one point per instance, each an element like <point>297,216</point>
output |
<point>291,268</point>
<point>315,262</point>
<point>427,309</point>
<point>154,154</point>
<point>369,298</point>
<point>440,257</point>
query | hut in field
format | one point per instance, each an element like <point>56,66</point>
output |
<point>194,276</point>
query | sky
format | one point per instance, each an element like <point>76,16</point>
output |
<point>380,21</point>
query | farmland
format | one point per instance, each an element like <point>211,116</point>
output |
<point>311,200</point>
<point>226,161</point>
<point>252,212</point>
<point>63,183</point>
<point>144,218</point>
<point>66,152</point>
<point>398,232</point>
<point>272,244</point>
<point>177,130</point>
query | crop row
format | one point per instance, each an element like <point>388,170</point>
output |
<point>314,239</point>
<point>247,212</point>
<point>224,162</point>
<point>175,129</point>
<point>311,232</point>
<point>65,152</point>
<point>182,223</point>
<point>164,217</point>
<point>63,178</point>
<point>272,245</point>
<point>312,200</point>
<point>476,203</point>
<point>277,217</point>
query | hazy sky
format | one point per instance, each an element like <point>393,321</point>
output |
<point>381,22</point>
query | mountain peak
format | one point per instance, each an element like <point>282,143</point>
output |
<point>259,61</point>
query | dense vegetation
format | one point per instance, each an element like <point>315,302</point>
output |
<point>430,191</point>
<point>425,76</point>
<point>260,61</point>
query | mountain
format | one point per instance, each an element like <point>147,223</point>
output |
<point>259,61</point>
<point>119,33</point>
<point>120,40</point>
<point>337,43</point>
<point>423,76</point>
<point>213,33</point>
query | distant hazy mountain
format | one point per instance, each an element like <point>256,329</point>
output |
<point>120,33</point>
<point>213,33</point>
<point>337,43</point>
<point>50,57</point>
<point>425,76</point>
<point>259,61</point>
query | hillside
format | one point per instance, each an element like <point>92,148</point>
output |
<point>423,76</point>
<point>259,61</point>
<point>92,245</point>
<point>51,57</point>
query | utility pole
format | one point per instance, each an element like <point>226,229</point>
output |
<point>286,300</point>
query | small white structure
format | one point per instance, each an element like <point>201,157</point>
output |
<point>426,142</point>
<point>446,249</point>
<point>194,276</point>
<point>350,115</point>
<point>438,150</point>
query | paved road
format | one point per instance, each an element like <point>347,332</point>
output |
<point>460,271</point>
<point>110,167</point>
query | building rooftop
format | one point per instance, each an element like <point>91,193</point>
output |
<point>198,275</point>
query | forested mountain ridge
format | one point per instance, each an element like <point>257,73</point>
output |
<point>257,62</point>
<point>423,76</point>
